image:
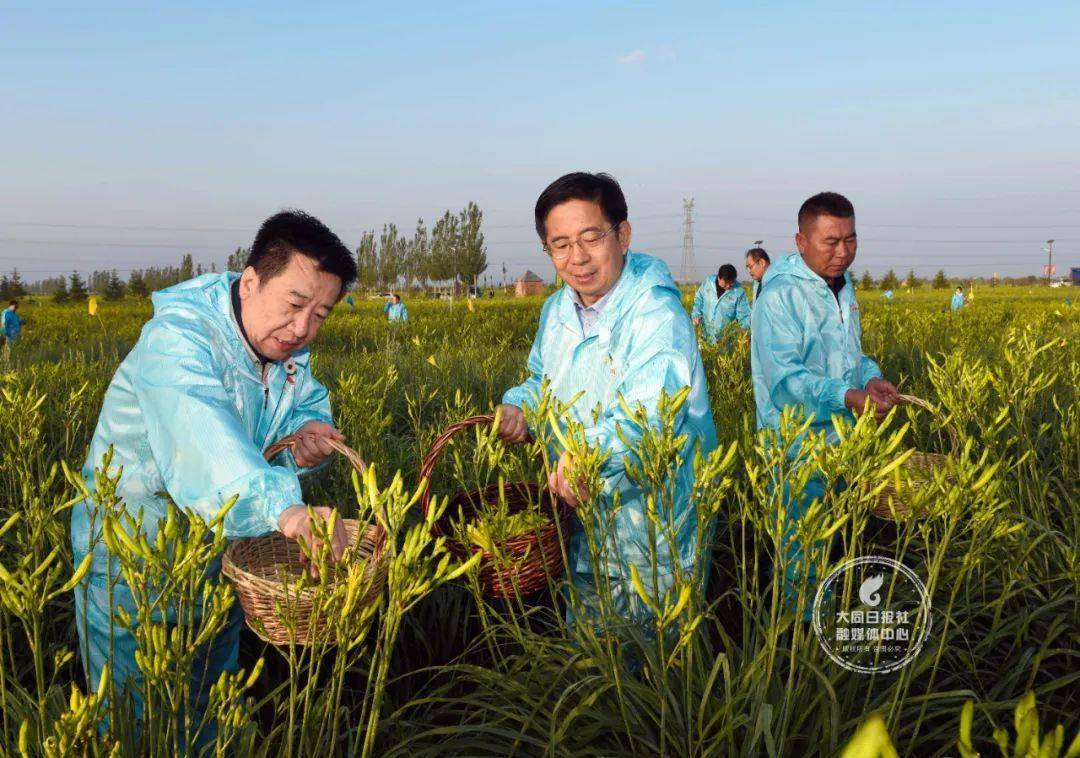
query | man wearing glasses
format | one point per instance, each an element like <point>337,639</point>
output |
<point>617,329</point>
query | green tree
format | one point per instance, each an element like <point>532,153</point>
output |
<point>416,259</point>
<point>114,290</point>
<point>187,268</point>
<point>60,293</point>
<point>472,255</point>
<point>137,284</point>
<point>367,262</point>
<point>444,239</point>
<point>889,282</point>
<point>77,287</point>
<point>391,256</point>
<point>911,280</point>
<point>867,281</point>
<point>15,285</point>
<point>238,259</point>
<point>941,282</point>
<point>5,290</point>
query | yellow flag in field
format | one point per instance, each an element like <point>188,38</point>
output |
<point>471,306</point>
<point>91,305</point>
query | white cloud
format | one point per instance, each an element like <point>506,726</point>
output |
<point>632,58</point>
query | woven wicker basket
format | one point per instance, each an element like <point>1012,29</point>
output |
<point>917,472</point>
<point>527,560</point>
<point>265,572</point>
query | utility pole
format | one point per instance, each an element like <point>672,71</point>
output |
<point>1049,260</point>
<point>688,240</point>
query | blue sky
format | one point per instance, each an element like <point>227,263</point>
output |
<point>134,133</point>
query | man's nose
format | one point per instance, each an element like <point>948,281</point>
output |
<point>301,324</point>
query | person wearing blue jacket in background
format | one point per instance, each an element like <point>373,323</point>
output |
<point>12,323</point>
<point>806,346</point>
<point>396,310</point>
<point>957,301</point>
<point>218,373</point>
<point>617,328</point>
<point>718,301</point>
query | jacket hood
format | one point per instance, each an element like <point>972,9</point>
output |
<point>209,298</point>
<point>640,274</point>
<point>793,265</point>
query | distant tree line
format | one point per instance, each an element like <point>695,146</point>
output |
<point>452,251</point>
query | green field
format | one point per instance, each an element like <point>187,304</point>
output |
<point>438,670</point>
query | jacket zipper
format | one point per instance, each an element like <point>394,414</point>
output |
<point>266,386</point>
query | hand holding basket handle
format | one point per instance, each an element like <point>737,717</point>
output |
<point>309,447</point>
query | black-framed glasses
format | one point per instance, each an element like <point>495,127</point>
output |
<point>589,240</point>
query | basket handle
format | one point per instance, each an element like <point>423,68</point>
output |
<point>427,466</point>
<point>920,403</point>
<point>287,443</point>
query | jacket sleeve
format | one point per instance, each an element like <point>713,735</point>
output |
<point>777,345</point>
<point>742,309</point>
<point>197,437</point>
<point>404,313</point>
<point>527,394</point>
<point>659,359</point>
<point>699,302</point>
<point>313,404</point>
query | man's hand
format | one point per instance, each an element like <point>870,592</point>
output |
<point>295,524</point>
<point>312,447</point>
<point>560,481</point>
<point>883,393</point>
<point>880,404</point>
<point>512,426</point>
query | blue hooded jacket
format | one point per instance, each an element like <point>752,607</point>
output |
<point>806,346</point>
<point>643,342</point>
<point>717,312</point>
<point>189,412</point>
<point>12,326</point>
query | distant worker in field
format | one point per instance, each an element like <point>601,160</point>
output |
<point>13,323</point>
<point>757,263</point>
<point>806,347</point>
<point>719,301</point>
<point>218,374</point>
<point>888,295</point>
<point>957,301</point>
<point>396,310</point>
<point>616,328</point>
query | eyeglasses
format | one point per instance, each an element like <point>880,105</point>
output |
<point>590,240</point>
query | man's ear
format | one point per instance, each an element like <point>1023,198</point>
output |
<point>624,236</point>
<point>249,282</point>
<point>800,242</point>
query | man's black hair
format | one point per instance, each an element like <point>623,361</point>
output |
<point>15,303</point>
<point>727,273</point>
<point>758,254</point>
<point>825,204</point>
<point>292,231</point>
<point>601,189</point>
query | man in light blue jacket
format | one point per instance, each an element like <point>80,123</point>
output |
<point>218,374</point>
<point>720,300</point>
<point>617,328</point>
<point>806,347</point>
<point>957,301</point>
<point>13,323</point>
<point>396,310</point>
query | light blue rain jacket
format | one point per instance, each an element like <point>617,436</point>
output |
<point>957,301</point>
<point>717,312</point>
<point>805,347</point>
<point>397,312</point>
<point>12,324</point>
<point>190,411</point>
<point>642,343</point>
